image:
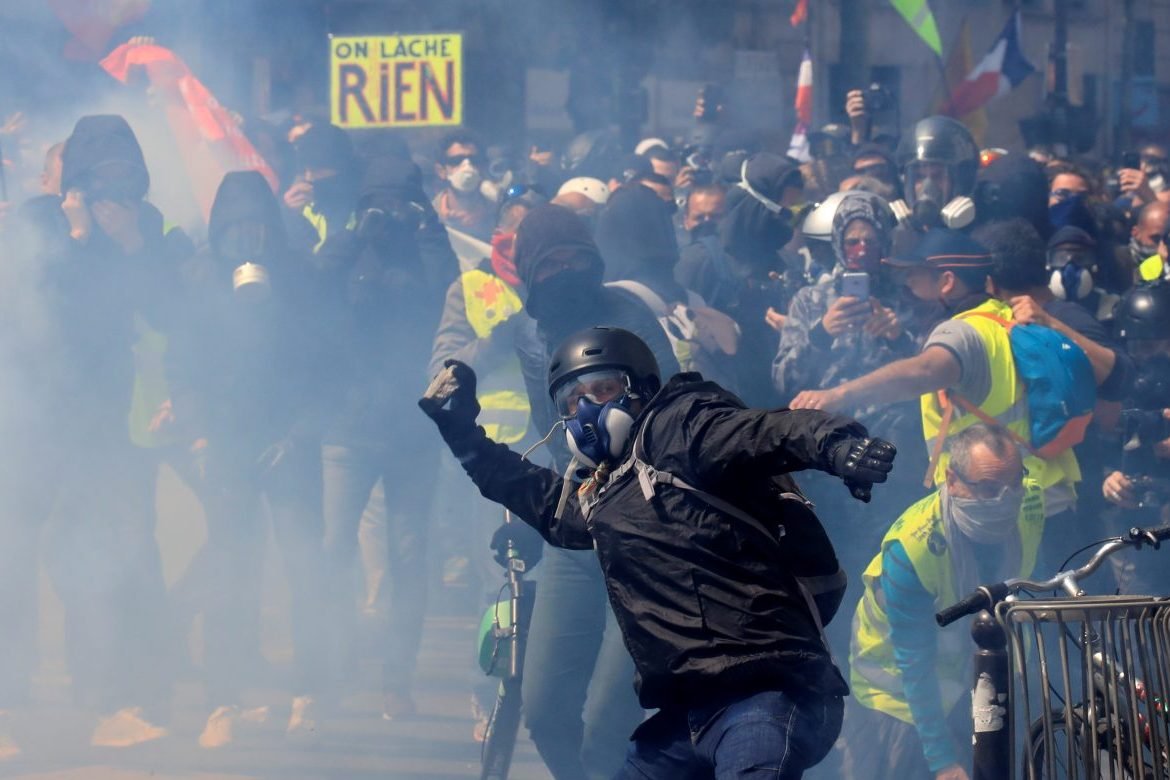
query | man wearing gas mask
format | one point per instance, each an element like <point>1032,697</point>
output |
<point>460,204</point>
<point>578,705</point>
<point>1149,227</point>
<point>381,310</point>
<point>938,161</point>
<point>246,392</point>
<point>1072,269</point>
<point>114,278</point>
<point>718,572</point>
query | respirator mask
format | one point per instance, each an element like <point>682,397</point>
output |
<point>1070,273</point>
<point>598,419</point>
<point>931,208</point>
<point>244,244</point>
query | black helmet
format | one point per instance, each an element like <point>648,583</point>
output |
<point>940,139</point>
<point>600,348</point>
<point>1144,312</point>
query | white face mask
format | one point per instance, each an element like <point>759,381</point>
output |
<point>465,178</point>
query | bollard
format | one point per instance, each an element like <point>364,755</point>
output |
<point>990,708</point>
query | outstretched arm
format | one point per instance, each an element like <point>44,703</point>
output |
<point>932,369</point>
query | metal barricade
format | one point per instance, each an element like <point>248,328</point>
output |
<point>1089,687</point>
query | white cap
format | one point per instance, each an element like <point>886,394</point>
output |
<point>591,188</point>
<point>646,144</point>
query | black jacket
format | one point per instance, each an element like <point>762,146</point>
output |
<point>707,604</point>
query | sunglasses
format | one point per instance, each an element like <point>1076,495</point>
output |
<point>1065,194</point>
<point>455,160</point>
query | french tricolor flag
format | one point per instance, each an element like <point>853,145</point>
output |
<point>798,146</point>
<point>1000,71</point>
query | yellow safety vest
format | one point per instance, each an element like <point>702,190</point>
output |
<point>1006,402</point>
<point>874,676</point>
<point>151,389</point>
<point>321,225</point>
<point>488,301</point>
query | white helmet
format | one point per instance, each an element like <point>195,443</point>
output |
<point>591,188</point>
<point>818,225</point>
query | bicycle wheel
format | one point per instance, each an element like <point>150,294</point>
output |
<point>1071,757</point>
<point>503,727</point>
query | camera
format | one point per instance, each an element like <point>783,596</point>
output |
<point>1143,427</point>
<point>877,98</point>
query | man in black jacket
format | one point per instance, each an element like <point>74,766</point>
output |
<point>577,700</point>
<point>719,574</point>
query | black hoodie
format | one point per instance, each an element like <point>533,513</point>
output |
<point>636,238</point>
<point>102,157</point>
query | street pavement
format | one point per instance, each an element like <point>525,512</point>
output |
<point>355,743</point>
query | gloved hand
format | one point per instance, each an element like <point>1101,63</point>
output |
<point>863,462</point>
<point>450,401</point>
<point>529,545</point>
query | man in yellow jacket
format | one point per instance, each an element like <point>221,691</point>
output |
<point>907,677</point>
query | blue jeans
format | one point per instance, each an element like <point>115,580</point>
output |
<point>768,734</point>
<point>578,688</point>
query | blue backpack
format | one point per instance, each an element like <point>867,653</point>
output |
<point>1059,381</point>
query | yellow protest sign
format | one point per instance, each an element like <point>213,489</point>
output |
<point>396,80</point>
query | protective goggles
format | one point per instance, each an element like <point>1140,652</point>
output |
<point>1059,258</point>
<point>600,387</point>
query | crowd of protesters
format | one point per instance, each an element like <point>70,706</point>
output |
<point>274,365</point>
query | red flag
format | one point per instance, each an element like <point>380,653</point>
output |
<point>209,139</point>
<point>799,14</point>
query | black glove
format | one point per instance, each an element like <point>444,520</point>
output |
<point>450,401</point>
<point>863,462</point>
<point>528,543</point>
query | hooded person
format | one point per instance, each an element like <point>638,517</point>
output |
<point>382,307</point>
<point>1013,185</point>
<point>745,274</point>
<point>322,202</point>
<point>110,285</point>
<point>244,382</point>
<point>636,237</point>
<point>574,650</point>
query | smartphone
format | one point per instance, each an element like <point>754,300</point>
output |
<point>855,284</point>
<point>1131,160</point>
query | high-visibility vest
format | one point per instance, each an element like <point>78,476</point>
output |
<point>874,676</point>
<point>321,224</point>
<point>488,301</point>
<point>1006,402</point>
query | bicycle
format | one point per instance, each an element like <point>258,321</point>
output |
<point>503,634</point>
<point>1110,721</point>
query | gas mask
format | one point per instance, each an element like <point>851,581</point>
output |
<point>465,178</point>
<point>1139,251</point>
<point>599,432</point>
<point>244,244</point>
<point>1070,273</point>
<point>931,208</point>
<point>598,418</point>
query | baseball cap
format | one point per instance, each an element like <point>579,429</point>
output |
<point>942,248</point>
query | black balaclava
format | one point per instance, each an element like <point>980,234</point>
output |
<point>328,146</point>
<point>636,237</point>
<point>549,231</point>
<point>754,232</point>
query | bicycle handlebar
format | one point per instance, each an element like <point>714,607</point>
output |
<point>987,596</point>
